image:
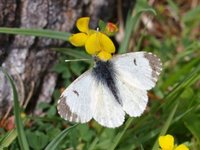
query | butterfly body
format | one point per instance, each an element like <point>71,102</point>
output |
<point>110,89</point>
<point>105,73</point>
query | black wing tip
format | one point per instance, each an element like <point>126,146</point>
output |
<point>155,63</point>
<point>65,112</point>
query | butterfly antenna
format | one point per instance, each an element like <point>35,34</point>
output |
<point>69,60</point>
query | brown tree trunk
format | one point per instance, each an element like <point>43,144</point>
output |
<point>29,59</point>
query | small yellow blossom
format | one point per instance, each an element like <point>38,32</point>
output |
<point>182,147</point>
<point>78,39</point>
<point>95,42</point>
<point>83,24</point>
<point>167,143</point>
<point>23,115</point>
<point>104,55</point>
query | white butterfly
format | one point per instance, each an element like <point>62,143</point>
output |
<point>110,89</point>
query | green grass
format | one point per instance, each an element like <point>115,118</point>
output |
<point>174,104</point>
<point>36,32</point>
<point>18,121</point>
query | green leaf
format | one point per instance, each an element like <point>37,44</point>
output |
<point>73,138</point>
<point>8,139</point>
<point>52,132</point>
<point>186,82</point>
<point>85,133</point>
<point>182,71</point>
<point>187,93</point>
<point>58,139</point>
<point>36,32</point>
<point>52,111</point>
<point>67,74</point>
<point>18,121</point>
<point>192,16</point>
<point>102,25</point>
<point>37,140</point>
<point>192,122</point>
<point>173,98</point>
<point>43,105</point>
<point>120,134</point>
<point>60,67</point>
<point>77,68</point>
<point>56,94</point>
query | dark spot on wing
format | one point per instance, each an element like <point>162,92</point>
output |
<point>134,60</point>
<point>75,92</point>
<point>104,73</point>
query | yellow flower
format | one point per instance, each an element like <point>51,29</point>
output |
<point>95,42</point>
<point>167,143</point>
<point>23,115</point>
<point>182,147</point>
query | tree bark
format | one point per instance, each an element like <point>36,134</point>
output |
<point>29,59</point>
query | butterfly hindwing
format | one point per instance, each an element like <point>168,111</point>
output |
<point>74,103</point>
<point>134,100</point>
<point>105,109</point>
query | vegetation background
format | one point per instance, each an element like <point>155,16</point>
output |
<point>170,29</point>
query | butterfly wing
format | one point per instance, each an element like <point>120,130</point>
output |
<point>74,103</point>
<point>105,109</point>
<point>135,74</point>
<point>86,98</point>
<point>140,68</point>
<point>134,100</point>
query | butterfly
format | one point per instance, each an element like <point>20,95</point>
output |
<point>111,89</point>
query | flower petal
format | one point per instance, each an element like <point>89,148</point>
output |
<point>182,147</point>
<point>166,142</point>
<point>103,55</point>
<point>83,24</point>
<point>99,42</point>
<point>78,39</point>
<point>92,44</point>
<point>106,43</point>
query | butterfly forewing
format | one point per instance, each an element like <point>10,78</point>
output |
<point>74,103</point>
<point>140,68</point>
